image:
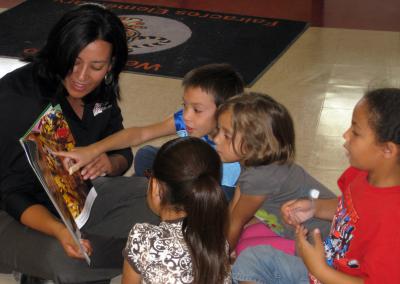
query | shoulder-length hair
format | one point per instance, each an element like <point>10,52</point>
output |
<point>265,128</point>
<point>72,33</point>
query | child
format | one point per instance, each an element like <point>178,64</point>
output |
<point>205,88</point>
<point>189,245</point>
<point>258,132</point>
<point>363,246</point>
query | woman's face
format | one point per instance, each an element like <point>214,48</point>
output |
<point>90,67</point>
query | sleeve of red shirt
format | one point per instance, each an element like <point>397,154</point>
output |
<point>348,175</point>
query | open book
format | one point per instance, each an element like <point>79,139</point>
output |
<point>71,195</point>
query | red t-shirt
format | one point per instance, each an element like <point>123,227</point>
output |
<point>365,236</point>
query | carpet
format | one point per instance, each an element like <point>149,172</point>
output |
<point>164,41</point>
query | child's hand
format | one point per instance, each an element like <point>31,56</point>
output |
<point>77,157</point>
<point>313,255</point>
<point>252,221</point>
<point>286,212</point>
<point>69,245</point>
<point>295,212</point>
<point>232,257</point>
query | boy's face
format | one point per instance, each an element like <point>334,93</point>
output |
<point>224,138</point>
<point>198,112</point>
<point>363,150</point>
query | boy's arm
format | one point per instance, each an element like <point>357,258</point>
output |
<point>326,208</point>
<point>298,211</point>
<point>242,209</point>
<point>122,139</point>
<point>133,136</point>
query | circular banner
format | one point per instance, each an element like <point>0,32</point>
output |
<point>145,35</point>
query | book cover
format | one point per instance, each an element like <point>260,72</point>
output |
<point>70,194</point>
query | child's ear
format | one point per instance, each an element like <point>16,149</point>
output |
<point>390,150</point>
<point>155,189</point>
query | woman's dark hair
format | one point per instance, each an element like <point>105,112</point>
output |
<point>72,33</point>
<point>265,126</point>
<point>384,113</point>
<point>189,171</point>
<point>220,80</point>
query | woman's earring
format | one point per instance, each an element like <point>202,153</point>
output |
<point>108,78</point>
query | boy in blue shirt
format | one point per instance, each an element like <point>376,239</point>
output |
<point>205,88</point>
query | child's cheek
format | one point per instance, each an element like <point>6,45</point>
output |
<point>221,154</point>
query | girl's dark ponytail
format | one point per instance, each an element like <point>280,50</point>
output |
<point>204,228</point>
<point>190,172</point>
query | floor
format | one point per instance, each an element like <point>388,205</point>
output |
<point>320,78</point>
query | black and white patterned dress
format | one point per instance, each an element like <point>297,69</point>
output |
<point>159,253</point>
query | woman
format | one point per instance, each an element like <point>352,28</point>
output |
<point>78,68</point>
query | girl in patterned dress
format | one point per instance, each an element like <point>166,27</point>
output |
<point>189,245</point>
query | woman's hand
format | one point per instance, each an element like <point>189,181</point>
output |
<point>100,166</point>
<point>39,218</point>
<point>70,246</point>
<point>295,212</point>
